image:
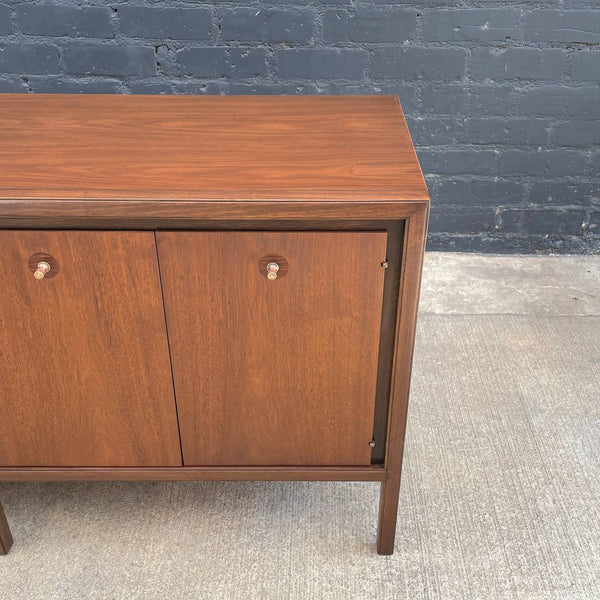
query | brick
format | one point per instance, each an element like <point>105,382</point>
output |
<point>429,2</point>
<point>491,99</point>
<point>419,63</point>
<point>223,62</point>
<point>548,163</point>
<point>327,63</point>
<point>551,192</point>
<point>268,89</point>
<point>586,66</point>
<point>444,98</point>
<point>456,162</point>
<point>512,243</point>
<point>267,25</point>
<point>170,23</point>
<point>61,85</point>
<point>517,63</point>
<point>542,222</point>
<point>559,100</point>
<point>209,88</point>
<point>494,130</point>
<point>457,220</point>
<point>121,60</point>
<point>369,25</point>
<point>25,58</point>
<point>247,62</point>
<point>5,23</point>
<point>475,24</point>
<point>150,87</point>
<point>13,85</point>
<point>563,26</point>
<point>479,192</point>
<point>57,21</point>
<point>575,132</point>
<point>433,131</point>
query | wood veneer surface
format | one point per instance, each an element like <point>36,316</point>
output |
<point>189,147</point>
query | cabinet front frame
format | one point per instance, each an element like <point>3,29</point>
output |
<point>406,224</point>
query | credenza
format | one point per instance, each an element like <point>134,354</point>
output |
<point>208,288</point>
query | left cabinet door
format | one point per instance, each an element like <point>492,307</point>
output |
<point>85,376</point>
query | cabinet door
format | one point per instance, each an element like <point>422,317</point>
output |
<point>83,352</point>
<point>274,371</point>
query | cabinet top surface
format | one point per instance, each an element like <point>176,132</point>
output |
<point>201,147</point>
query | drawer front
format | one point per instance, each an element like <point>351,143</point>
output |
<point>85,365</point>
<point>274,343</point>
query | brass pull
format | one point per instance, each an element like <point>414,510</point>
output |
<point>272,269</point>
<point>42,268</point>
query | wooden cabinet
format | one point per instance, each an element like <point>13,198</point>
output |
<point>200,288</point>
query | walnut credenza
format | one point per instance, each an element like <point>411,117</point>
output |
<point>201,288</point>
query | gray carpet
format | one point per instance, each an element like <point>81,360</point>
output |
<point>500,493</point>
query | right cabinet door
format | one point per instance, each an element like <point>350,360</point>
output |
<point>274,342</point>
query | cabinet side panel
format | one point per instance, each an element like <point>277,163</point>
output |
<point>274,372</point>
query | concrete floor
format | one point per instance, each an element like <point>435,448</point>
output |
<point>501,485</point>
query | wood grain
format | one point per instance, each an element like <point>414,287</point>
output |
<point>202,147</point>
<point>6,539</point>
<point>408,304</point>
<point>85,367</point>
<point>371,473</point>
<point>274,372</point>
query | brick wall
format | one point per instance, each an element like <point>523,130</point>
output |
<point>503,98</point>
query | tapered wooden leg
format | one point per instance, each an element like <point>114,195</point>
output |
<point>6,539</point>
<point>388,511</point>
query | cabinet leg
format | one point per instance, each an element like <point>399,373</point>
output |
<point>388,512</point>
<point>6,539</point>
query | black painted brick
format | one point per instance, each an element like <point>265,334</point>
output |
<point>518,63</point>
<point>505,131</point>
<point>455,162</point>
<point>431,131</point>
<point>558,100</point>
<point>419,63</point>
<point>563,26</point>
<point>542,163</point>
<point>169,23</point>
<point>239,63</point>
<point>444,98</point>
<point>27,58</point>
<point>13,85</point>
<point>586,66</point>
<point>369,25</point>
<point>482,192</point>
<point>575,132</point>
<point>542,222</point>
<point>268,25</point>
<point>565,193</point>
<point>319,63</point>
<point>55,20</point>
<point>58,85</point>
<point>5,23</point>
<point>109,60</point>
<point>491,100</point>
<point>457,220</point>
<point>473,24</point>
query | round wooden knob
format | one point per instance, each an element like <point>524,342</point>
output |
<point>42,268</point>
<point>272,269</point>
